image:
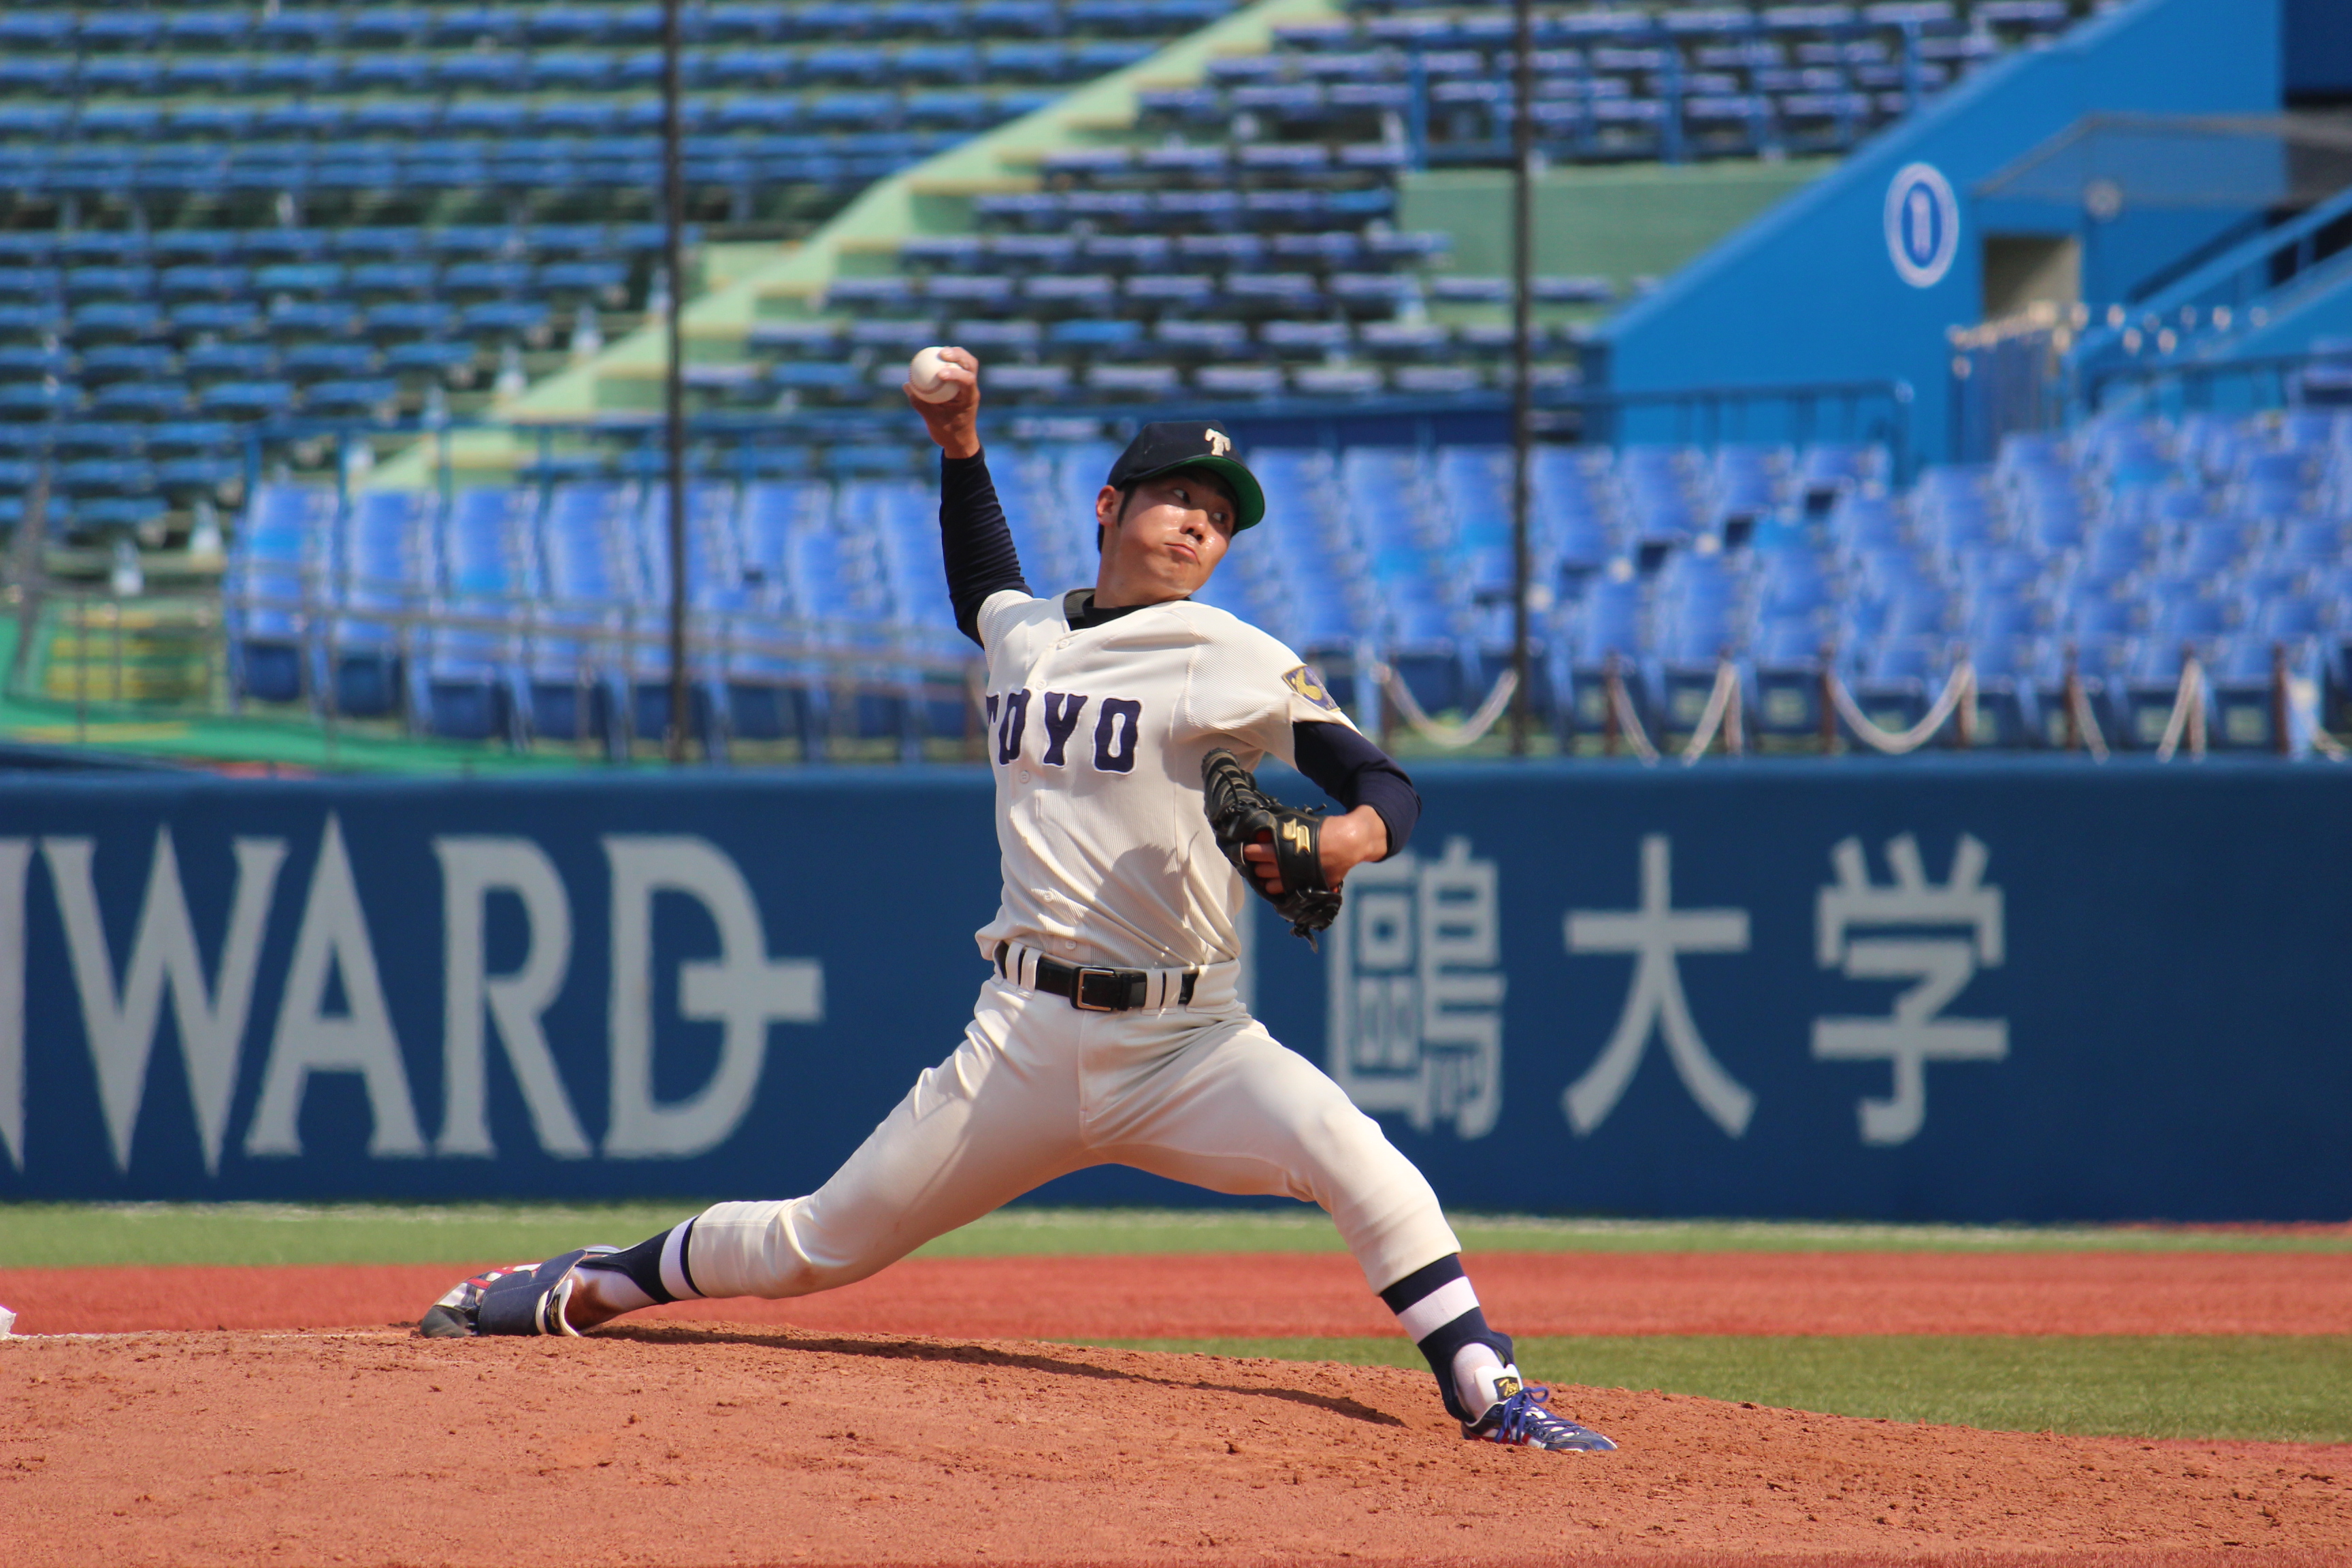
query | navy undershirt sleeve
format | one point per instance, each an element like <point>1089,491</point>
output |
<point>974,539</point>
<point>1354,772</point>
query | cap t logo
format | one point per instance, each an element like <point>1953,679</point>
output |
<point>1220,444</point>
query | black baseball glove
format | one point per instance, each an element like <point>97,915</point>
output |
<point>1241,814</point>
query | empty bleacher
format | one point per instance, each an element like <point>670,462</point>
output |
<point>221,225</point>
<point>532,613</point>
<point>145,362</point>
<point>1614,81</point>
<point>230,236</point>
<point>2109,557</point>
<point>337,109</point>
<point>1239,241</point>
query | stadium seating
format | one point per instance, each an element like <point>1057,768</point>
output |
<point>220,220</point>
<point>160,370</point>
<point>1613,82</point>
<point>215,220</point>
<point>534,611</point>
<point>344,108</point>
<point>1241,242</point>
<point>229,230</point>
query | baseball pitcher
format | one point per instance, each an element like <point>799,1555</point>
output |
<point>1124,724</point>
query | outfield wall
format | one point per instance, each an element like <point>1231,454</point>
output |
<point>1927,990</point>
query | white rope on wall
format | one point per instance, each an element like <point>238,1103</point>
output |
<point>1960,687</point>
<point>1722,713</point>
<point>1436,731</point>
<point>2303,721</point>
<point>2086,722</point>
<point>2187,721</point>
<point>1629,723</point>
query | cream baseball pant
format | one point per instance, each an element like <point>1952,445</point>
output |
<point>1037,1090</point>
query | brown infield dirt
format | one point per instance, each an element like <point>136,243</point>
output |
<point>1288,1295</point>
<point>679,1444</point>
<point>867,1425</point>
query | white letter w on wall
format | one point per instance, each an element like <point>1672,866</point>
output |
<point>121,1029</point>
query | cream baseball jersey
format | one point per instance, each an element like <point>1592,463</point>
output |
<point>1096,734</point>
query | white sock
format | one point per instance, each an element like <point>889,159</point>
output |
<point>1476,1371</point>
<point>609,1288</point>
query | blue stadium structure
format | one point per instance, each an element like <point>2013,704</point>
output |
<point>2019,427</point>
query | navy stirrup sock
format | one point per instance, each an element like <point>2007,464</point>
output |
<point>1439,1309</point>
<point>655,1266</point>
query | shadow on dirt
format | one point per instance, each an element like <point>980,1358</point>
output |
<point>975,1355</point>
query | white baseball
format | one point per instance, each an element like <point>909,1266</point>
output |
<point>923,372</point>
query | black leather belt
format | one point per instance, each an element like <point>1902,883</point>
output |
<point>1091,989</point>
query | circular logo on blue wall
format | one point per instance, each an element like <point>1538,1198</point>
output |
<point>1922,224</point>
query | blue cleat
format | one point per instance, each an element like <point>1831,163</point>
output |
<point>525,1299</point>
<point>1519,1419</point>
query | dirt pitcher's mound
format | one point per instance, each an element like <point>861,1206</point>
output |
<point>681,1445</point>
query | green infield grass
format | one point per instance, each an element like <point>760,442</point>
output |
<point>2265,1387</point>
<point>66,1235</point>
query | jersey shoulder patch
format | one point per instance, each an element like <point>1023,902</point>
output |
<point>1301,680</point>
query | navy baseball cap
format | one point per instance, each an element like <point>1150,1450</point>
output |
<point>1172,444</point>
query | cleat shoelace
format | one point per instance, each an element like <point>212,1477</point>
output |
<point>1524,1421</point>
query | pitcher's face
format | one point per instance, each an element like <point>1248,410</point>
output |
<point>1164,542</point>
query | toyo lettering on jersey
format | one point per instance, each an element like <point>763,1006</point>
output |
<point>1097,731</point>
<point>1117,721</point>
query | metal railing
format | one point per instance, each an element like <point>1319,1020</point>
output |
<point>2276,263</point>
<point>2184,387</point>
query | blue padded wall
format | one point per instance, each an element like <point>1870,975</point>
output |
<point>1809,292</point>
<point>714,984</point>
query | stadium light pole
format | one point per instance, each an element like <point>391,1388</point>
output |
<point>1523,228</point>
<point>674,390</point>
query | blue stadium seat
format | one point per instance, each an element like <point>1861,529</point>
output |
<point>438,360</point>
<point>33,362</point>
<point>2243,690</point>
<point>1899,680</point>
<point>388,570</point>
<point>245,399</point>
<point>273,588</point>
<point>37,399</point>
<point>1608,624</point>
<point>368,398</point>
<point>2188,617</point>
<point>140,400</point>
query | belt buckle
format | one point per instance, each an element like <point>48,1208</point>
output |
<point>1078,992</point>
